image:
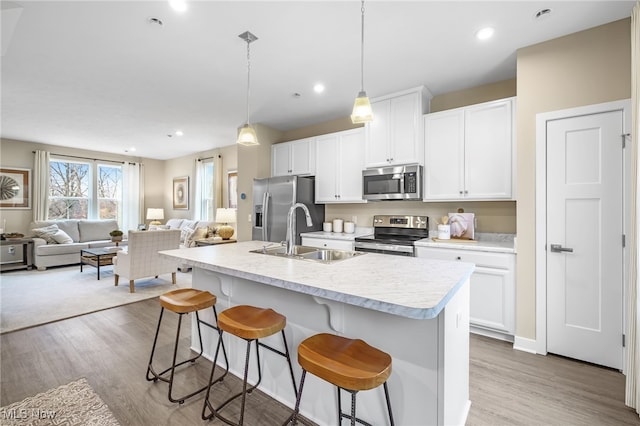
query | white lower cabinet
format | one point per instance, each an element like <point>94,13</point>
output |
<point>328,243</point>
<point>492,286</point>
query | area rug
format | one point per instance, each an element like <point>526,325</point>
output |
<point>30,298</point>
<point>72,404</point>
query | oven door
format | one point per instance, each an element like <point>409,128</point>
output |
<point>382,248</point>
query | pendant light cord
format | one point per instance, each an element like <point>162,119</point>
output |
<point>248,76</point>
<point>362,49</point>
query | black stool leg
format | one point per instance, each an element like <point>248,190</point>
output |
<point>353,409</point>
<point>207,404</point>
<point>294,418</point>
<point>154,376</point>
<point>339,406</point>
<point>386,395</point>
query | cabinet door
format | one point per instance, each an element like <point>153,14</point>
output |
<point>327,159</point>
<point>377,145</point>
<point>350,166</point>
<point>406,142</point>
<point>303,157</point>
<point>444,155</point>
<point>492,299</point>
<point>280,159</point>
<point>488,150</point>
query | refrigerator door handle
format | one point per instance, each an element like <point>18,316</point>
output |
<point>265,215</point>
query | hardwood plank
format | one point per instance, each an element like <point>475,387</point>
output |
<point>111,349</point>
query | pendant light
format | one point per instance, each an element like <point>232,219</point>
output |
<point>362,112</point>
<point>247,135</point>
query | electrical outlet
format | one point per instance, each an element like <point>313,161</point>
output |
<point>12,250</point>
<point>249,217</point>
<point>354,219</point>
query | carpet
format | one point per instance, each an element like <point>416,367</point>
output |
<point>75,403</point>
<point>30,298</point>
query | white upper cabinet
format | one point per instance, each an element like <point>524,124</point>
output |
<point>293,158</point>
<point>469,152</point>
<point>395,135</point>
<point>339,164</point>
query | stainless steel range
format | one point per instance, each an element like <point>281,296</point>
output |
<point>394,235</point>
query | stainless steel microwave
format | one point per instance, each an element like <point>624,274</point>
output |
<point>392,183</point>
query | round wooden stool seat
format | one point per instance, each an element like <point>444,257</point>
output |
<point>347,363</point>
<point>249,322</point>
<point>185,300</point>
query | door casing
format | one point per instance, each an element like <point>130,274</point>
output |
<point>539,345</point>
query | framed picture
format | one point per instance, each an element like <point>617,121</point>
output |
<point>15,188</point>
<point>232,188</point>
<point>181,193</point>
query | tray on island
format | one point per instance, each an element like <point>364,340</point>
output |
<point>454,240</point>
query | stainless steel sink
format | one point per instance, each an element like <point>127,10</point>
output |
<point>309,253</point>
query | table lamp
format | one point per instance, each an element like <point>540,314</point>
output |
<point>226,216</point>
<point>155,215</point>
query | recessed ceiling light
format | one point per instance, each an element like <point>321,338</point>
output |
<point>318,88</point>
<point>543,13</point>
<point>178,5</point>
<point>485,33</point>
<point>179,133</point>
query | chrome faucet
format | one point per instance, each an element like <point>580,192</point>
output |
<point>291,238</point>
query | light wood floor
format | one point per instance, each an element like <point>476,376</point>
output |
<point>111,349</point>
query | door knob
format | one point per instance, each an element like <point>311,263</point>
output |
<point>557,248</point>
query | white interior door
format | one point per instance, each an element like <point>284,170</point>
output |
<point>584,238</point>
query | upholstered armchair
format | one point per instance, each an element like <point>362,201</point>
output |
<point>141,260</point>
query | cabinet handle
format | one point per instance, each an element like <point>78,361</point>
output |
<point>461,192</point>
<point>458,258</point>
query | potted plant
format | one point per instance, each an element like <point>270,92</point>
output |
<point>116,235</point>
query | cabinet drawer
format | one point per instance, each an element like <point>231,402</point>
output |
<point>328,243</point>
<point>481,259</point>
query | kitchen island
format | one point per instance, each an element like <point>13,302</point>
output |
<point>417,310</point>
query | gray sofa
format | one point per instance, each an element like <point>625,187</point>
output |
<point>85,234</point>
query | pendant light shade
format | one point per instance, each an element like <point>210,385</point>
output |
<point>247,134</point>
<point>362,112</point>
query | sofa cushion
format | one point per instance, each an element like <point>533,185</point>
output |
<point>70,226</point>
<point>47,233</point>
<point>56,249</point>
<point>93,230</point>
<point>197,234</point>
<point>174,223</point>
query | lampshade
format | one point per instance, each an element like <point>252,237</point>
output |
<point>247,136</point>
<point>362,112</point>
<point>226,216</point>
<point>154,215</point>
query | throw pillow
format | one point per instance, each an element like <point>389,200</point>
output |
<point>62,237</point>
<point>198,234</point>
<point>185,235</point>
<point>47,233</point>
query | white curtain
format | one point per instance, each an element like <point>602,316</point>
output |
<point>41,185</point>
<point>132,196</point>
<point>206,184</point>
<point>633,346</point>
<point>199,211</point>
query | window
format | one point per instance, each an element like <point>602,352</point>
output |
<point>207,206</point>
<point>83,190</point>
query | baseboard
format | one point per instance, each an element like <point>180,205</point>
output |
<point>525,345</point>
<point>490,333</point>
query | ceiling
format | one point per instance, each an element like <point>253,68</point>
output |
<point>98,75</point>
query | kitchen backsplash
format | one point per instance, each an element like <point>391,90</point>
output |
<point>491,216</point>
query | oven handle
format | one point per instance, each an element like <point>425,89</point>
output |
<point>385,247</point>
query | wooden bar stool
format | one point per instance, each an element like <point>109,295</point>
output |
<point>348,364</point>
<point>183,301</point>
<point>251,324</point>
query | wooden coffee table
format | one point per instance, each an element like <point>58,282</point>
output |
<point>98,257</point>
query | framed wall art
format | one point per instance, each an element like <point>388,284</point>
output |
<point>181,193</point>
<point>15,188</point>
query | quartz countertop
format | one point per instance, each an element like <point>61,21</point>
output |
<point>359,232</point>
<point>489,242</point>
<point>404,286</point>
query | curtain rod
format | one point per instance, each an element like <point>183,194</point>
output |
<point>87,158</point>
<point>209,158</point>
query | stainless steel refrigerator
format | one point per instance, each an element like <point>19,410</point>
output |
<point>272,199</point>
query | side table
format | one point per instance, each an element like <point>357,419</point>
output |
<point>212,242</point>
<point>9,260</point>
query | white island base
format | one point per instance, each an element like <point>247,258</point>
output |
<point>429,384</point>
